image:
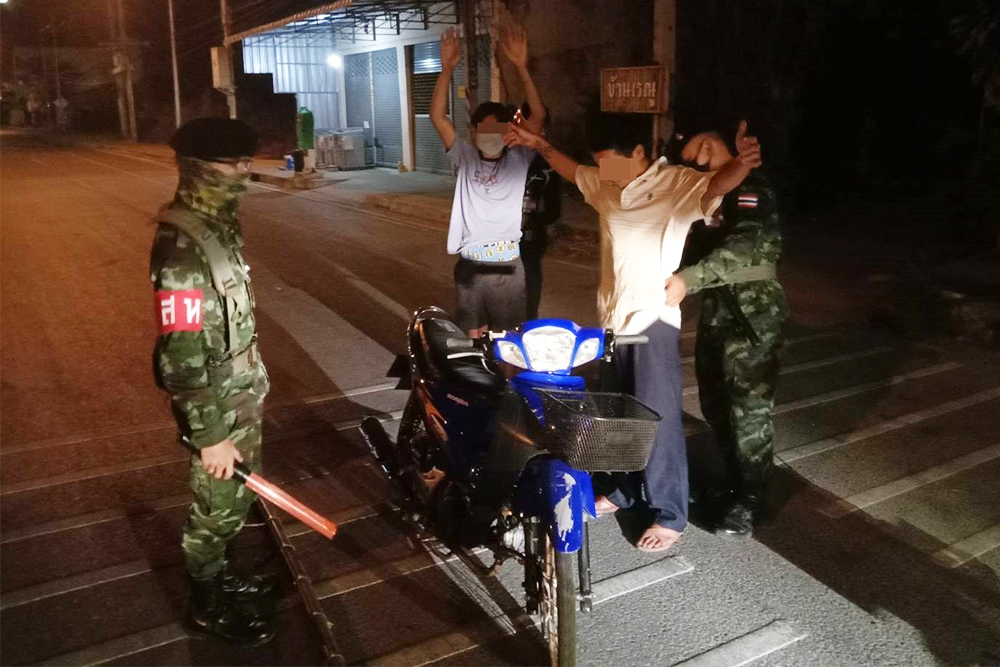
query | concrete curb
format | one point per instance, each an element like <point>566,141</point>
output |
<point>425,207</point>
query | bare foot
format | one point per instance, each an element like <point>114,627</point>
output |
<point>604,506</point>
<point>657,538</point>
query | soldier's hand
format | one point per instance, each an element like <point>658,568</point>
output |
<point>676,289</point>
<point>219,460</point>
<point>747,148</point>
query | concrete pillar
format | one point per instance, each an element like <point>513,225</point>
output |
<point>495,85</point>
<point>665,53</point>
<point>405,98</point>
<point>342,96</point>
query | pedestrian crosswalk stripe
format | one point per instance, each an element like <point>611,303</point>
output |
<point>885,426</point>
<point>903,485</point>
<point>970,548</point>
<point>752,646</point>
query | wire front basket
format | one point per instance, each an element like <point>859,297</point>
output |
<point>599,431</point>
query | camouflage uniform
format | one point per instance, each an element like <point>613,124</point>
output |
<point>736,378</point>
<point>217,384</point>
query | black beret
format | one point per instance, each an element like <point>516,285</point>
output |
<point>214,138</point>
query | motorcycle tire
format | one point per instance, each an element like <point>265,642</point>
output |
<point>559,595</point>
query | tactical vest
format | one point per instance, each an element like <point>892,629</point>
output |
<point>231,288</point>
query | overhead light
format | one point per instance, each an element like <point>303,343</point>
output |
<point>335,60</point>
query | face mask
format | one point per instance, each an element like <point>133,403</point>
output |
<point>490,145</point>
<point>208,190</point>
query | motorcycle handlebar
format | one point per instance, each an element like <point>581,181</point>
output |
<point>639,339</point>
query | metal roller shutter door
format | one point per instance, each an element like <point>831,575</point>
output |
<point>388,122</point>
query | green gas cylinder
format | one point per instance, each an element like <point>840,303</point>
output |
<point>304,129</point>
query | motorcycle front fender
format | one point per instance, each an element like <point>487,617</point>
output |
<point>559,495</point>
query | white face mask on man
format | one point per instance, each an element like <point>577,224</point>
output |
<point>490,145</point>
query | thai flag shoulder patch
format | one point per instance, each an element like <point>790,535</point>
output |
<point>178,310</point>
<point>746,200</point>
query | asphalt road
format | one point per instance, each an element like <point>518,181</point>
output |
<point>884,549</point>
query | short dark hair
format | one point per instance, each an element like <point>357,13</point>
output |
<point>620,132</point>
<point>502,112</point>
<point>214,138</point>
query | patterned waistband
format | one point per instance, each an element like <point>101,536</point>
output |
<point>501,251</point>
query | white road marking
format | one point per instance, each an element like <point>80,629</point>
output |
<point>62,586</point>
<point>81,438</point>
<point>639,578</point>
<point>866,387</point>
<point>906,484</point>
<point>818,363</point>
<point>970,548</point>
<point>743,650</point>
<point>885,426</point>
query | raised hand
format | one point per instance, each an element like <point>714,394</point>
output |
<point>451,49</point>
<point>515,45</point>
<point>747,147</point>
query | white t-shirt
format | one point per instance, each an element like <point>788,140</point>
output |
<point>643,228</point>
<point>489,195</point>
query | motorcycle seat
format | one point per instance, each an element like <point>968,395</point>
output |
<point>441,338</point>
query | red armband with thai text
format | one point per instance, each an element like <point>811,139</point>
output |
<point>178,310</point>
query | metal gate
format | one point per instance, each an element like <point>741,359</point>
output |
<point>372,88</point>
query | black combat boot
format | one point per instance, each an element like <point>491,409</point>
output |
<point>238,588</point>
<point>744,512</point>
<point>211,614</point>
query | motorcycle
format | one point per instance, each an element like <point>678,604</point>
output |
<point>495,449</point>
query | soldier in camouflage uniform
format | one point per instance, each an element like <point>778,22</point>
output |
<point>206,359</point>
<point>740,331</point>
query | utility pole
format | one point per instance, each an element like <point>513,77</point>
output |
<point>471,53</point>
<point>55,57</point>
<point>665,53</point>
<point>173,62</point>
<point>129,92</point>
<point>116,60</point>
<point>227,25</point>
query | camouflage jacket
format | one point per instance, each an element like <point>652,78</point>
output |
<point>750,235</point>
<point>192,353</point>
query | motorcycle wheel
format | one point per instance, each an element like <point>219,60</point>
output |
<point>558,605</point>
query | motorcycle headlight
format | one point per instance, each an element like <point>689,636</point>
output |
<point>511,353</point>
<point>549,348</point>
<point>587,351</point>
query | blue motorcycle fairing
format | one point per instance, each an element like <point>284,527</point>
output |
<point>525,384</point>
<point>582,334</point>
<point>558,494</point>
<point>462,425</point>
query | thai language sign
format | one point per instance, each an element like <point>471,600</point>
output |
<point>634,89</point>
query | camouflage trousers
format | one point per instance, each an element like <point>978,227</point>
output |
<point>737,380</point>
<point>220,506</point>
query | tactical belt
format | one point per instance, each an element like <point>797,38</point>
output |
<point>241,362</point>
<point>749,274</point>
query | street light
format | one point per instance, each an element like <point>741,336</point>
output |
<point>335,60</point>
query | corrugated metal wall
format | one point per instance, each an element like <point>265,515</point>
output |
<point>298,67</point>
<point>388,118</point>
